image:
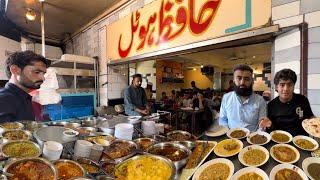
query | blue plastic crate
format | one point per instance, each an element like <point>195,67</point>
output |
<point>72,106</point>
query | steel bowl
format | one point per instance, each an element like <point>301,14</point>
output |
<point>139,141</point>
<point>188,144</point>
<point>28,133</point>
<point>72,125</point>
<point>107,130</point>
<point>70,161</point>
<point>86,130</point>
<point>159,138</point>
<point>104,163</point>
<point>20,141</point>
<point>118,160</point>
<point>91,121</point>
<point>42,160</point>
<point>18,124</point>
<point>104,177</point>
<point>82,160</point>
<point>161,146</point>
<point>33,125</point>
<point>185,133</point>
<point>58,123</point>
<point>161,158</point>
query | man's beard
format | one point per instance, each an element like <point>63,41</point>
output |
<point>243,91</point>
<point>32,85</point>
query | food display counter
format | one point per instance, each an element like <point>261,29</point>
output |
<point>91,149</point>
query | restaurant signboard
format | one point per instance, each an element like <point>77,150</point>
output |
<point>165,24</point>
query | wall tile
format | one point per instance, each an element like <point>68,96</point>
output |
<point>287,40</point>
<point>286,10</point>
<point>313,19</point>
<point>313,81</point>
<point>309,6</point>
<point>314,66</point>
<point>286,55</point>
<point>314,34</point>
<point>294,65</point>
<point>314,96</point>
<point>290,21</point>
<point>314,50</point>
<point>281,2</point>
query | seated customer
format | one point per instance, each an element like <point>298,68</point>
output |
<point>288,110</point>
<point>242,107</point>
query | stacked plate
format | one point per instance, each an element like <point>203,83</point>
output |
<point>149,128</point>
<point>124,131</point>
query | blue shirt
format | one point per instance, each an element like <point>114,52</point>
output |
<point>234,113</point>
<point>134,98</point>
<point>15,104</point>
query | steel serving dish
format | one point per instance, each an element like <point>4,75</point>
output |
<point>57,123</point>
<point>6,125</point>
<point>82,160</point>
<point>161,146</point>
<point>186,134</point>
<point>139,142</point>
<point>21,141</point>
<point>69,161</point>
<point>161,158</point>
<point>133,145</point>
<point>52,133</point>
<point>72,125</point>
<point>86,130</point>
<point>27,133</point>
<point>188,144</point>
<point>92,121</point>
<point>42,160</point>
<point>33,125</point>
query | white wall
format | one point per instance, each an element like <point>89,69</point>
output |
<point>6,46</point>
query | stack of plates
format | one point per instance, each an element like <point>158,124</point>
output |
<point>82,148</point>
<point>149,128</point>
<point>124,131</point>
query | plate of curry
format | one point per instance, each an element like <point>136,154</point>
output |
<point>287,172</point>
<point>284,153</point>
<point>238,133</point>
<point>228,147</point>
<point>305,143</point>
<point>279,136</point>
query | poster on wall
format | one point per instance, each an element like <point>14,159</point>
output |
<point>165,24</point>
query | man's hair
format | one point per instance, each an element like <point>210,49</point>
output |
<point>192,82</point>
<point>136,76</point>
<point>24,58</point>
<point>243,67</point>
<point>285,74</point>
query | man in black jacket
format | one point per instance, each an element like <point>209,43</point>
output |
<point>288,110</point>
<point>25,71</point>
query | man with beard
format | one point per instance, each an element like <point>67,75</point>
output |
<point>288,110</point>
<point>135,98</point>
<point>25,71</point>
<point>242,107</point>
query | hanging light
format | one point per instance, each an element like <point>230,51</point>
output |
<point>30,14</point>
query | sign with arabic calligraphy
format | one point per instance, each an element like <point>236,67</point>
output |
<point>165,24</point>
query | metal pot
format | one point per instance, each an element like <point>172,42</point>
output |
<point>48,163</point>
<point>161,146</point>
<point>20,141</point>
